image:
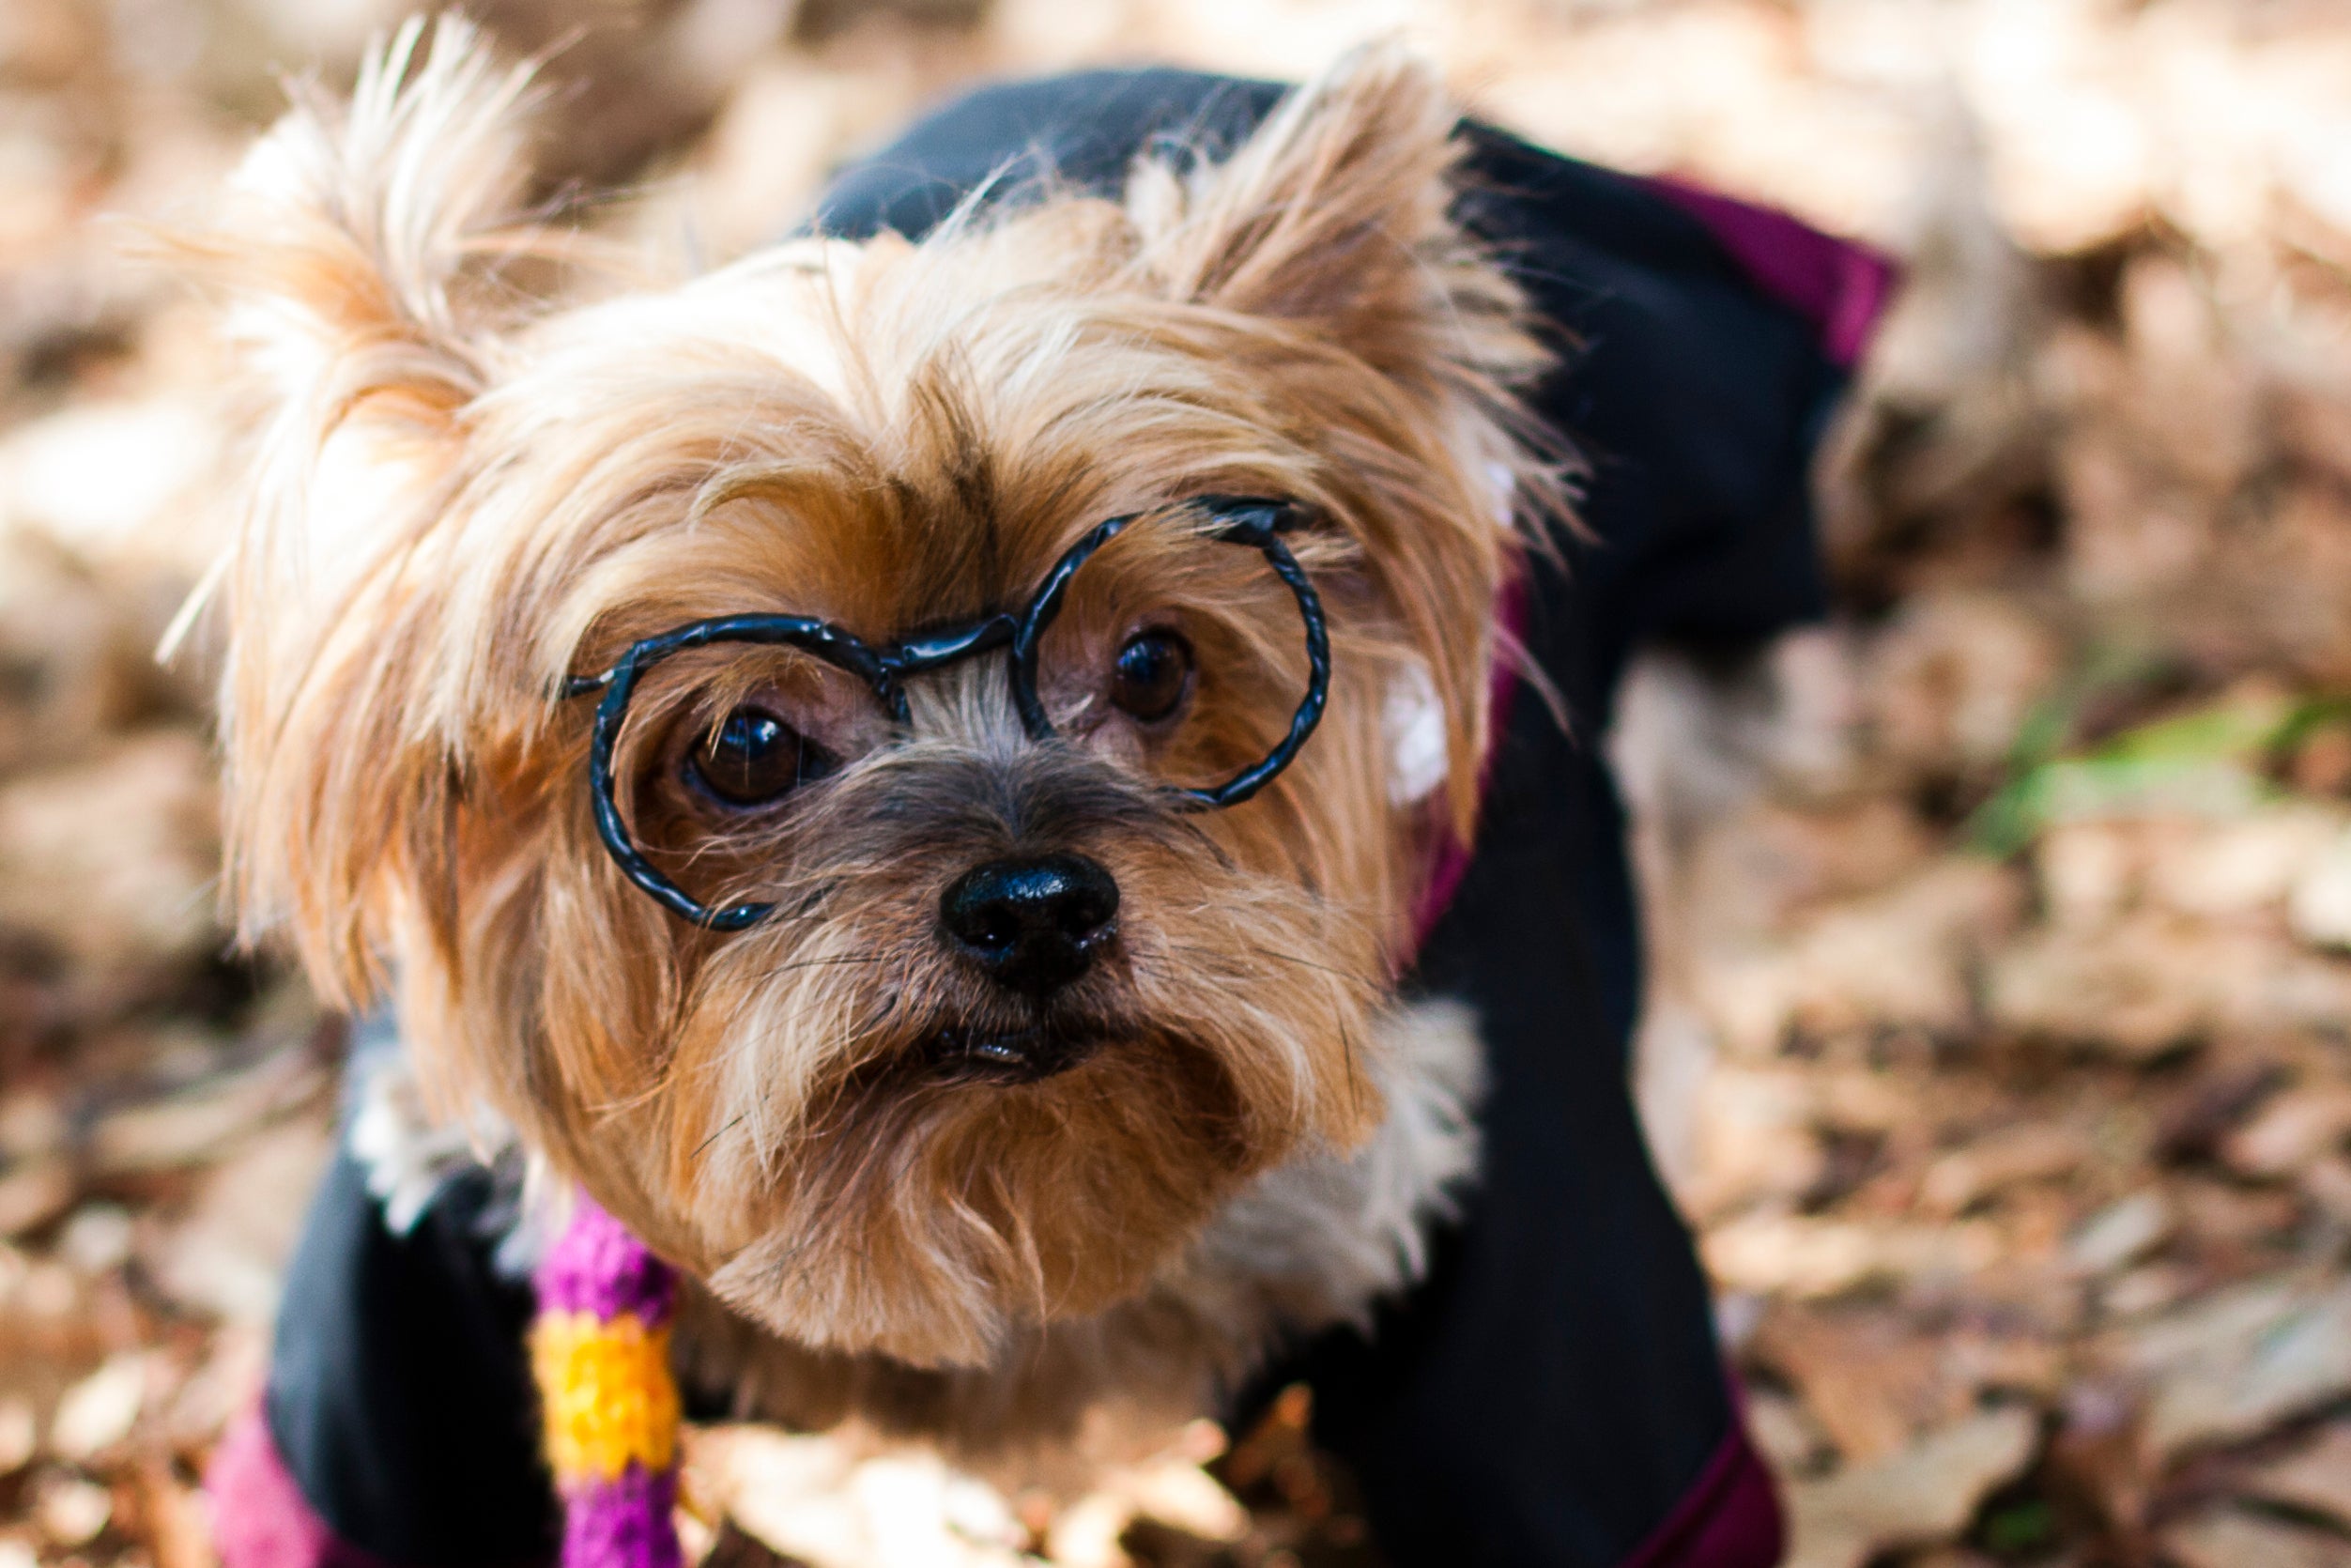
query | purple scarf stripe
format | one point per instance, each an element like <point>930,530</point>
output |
<point>597,1267</point>
<point>623,1524</point>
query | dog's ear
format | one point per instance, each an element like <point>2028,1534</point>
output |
<point>1333,212</point>
<point>1333,223</point>
<point>364,256</point>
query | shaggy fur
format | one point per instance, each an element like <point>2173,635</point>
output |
<point>480,473</point>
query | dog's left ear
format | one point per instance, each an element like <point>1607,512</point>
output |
<point>1335,213</point>
<point>1333,222</point>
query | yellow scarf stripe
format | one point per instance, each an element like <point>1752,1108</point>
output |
<point>609,1394</point>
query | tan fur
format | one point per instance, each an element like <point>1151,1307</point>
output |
<point>464,492</point>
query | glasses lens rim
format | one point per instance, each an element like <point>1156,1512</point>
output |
<point>1253,521</point>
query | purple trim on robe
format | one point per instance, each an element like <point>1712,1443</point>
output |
<point>624,1523</point>
<point>1728,1519</point>
<point>1841,288</point>
<point>1837,286</point>
<point>597,1267</point>
<point>1449,860</point>
<point>260,1518</point>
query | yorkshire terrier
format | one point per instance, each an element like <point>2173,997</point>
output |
<point>931,772</point>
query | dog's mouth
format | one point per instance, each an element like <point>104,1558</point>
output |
<point>966,1053</point>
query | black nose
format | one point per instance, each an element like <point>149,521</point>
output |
<point>1033,923</point>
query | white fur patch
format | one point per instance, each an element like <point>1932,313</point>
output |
<point>1505,487</point>
<point>408,1157</point>
<point>1414,718</point>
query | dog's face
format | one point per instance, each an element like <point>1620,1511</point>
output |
<point>1020,1015</point>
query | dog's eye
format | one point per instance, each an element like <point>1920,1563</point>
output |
<point>1151,676</point>
<point>753,757</point>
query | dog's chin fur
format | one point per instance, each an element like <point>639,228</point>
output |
<point>484,464</point>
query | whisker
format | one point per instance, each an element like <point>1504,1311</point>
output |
<point>1355,1081</point>
<point>715,1136</point>
<point>830,960</point>
<point>1285,957</point>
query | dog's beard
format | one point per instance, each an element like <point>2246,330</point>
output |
<point>877,1149</point>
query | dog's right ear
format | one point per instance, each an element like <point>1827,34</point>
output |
<point>361,240</point>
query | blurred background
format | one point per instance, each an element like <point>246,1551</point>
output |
<point>2000,1042</point>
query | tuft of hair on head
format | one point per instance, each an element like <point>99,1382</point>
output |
<point>362,238</point>
<point>361,255</point>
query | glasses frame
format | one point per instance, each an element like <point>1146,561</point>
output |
<point>1253,521</point>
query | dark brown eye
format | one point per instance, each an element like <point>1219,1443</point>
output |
<point>753,758</point>
<point>1152,675</point>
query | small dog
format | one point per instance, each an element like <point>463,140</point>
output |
<point>1024,1020</point>
<point>915,773</point>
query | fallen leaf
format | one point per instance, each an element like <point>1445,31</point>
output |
<point>2233,1540</point>
<point>20,1435</point>
<point>1785,1433</point>
<point>97,1240</point>
<point>1871,1380</point>
<point>2088,873</point>
<point>1953,678</point>
<point>221,1388</point>
<point>2234,1364</point>
<point>2319,908</point>
<point>816,1501</point>
<point>1755,1139</point>
<point>2098,1458</point>
<point>70,1511</point>
<point>35,1194</point>
<point>99,1412</point>
<point>2293,1128</point>
<point>200,1123</point>
<point>1178,1492</point>
<point>1806,1256</point>
<point>2151,982</point>
<point>111,863</point>
<point>2235,867</point>
<point>2327,1183</point>
<point>2150,1289</point>
<point>2132,990</point>
<point>1902,956</point>
<point>1085,1534</point>
<point>2035,1152</point>
<point>2122,1233</point>
<point>31,1124</point>
<point>2316,1477</point>
<point>224,1256</point>
<point>2233,1220</point>
<point>1921,1495</point>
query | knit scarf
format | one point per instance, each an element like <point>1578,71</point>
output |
<point>600,1352</point>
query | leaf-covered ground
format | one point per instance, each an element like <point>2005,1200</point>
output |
<point>2000,1043</point>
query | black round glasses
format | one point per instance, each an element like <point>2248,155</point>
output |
<point>1252,521</point>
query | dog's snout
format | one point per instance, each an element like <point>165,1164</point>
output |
<point>1032,923</point>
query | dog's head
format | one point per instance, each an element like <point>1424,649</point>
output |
<point>893,954</point>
